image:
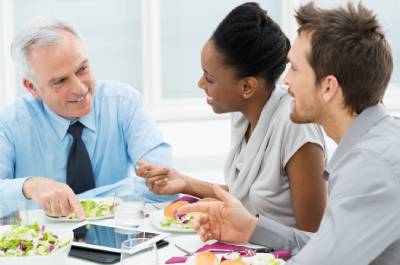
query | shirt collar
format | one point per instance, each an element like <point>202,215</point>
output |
<point>89,120</point>
<point>61,124</point>
<point>360,126</point>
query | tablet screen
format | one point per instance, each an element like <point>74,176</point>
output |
<point>108,238</point>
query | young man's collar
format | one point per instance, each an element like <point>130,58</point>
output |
<point>360,126</point>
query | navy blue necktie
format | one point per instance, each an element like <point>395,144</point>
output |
<point>79,168</point>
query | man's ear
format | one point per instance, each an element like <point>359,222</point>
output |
<point>249,86</point>
<point>30,87</point>
<point>330,88</point>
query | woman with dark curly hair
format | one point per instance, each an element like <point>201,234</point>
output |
<point>274,167</point>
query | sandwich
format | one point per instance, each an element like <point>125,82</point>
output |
<point>172,208</point>
<point>184,221</point>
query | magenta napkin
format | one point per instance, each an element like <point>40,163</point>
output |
<point>223,246</point>
<point>285,255</point>
<point>173,260</point>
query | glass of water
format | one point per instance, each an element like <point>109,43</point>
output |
<point>128,211</point>
<point>137,251</point>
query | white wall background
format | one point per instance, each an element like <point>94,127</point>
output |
<point>199,147</point>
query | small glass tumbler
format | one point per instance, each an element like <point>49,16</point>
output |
<point>137,251</point>
<point>128,211</point>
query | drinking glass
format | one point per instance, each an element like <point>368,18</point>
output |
<point>128,211</point>
<point>133,252</point>
<point>12,212</point>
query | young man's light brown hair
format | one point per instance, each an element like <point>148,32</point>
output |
<point>348,42</point>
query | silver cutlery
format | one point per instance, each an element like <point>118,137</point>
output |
<point>187,252</point>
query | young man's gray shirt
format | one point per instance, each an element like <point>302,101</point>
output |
<point>361,224</point>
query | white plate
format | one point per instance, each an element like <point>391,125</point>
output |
<point>156,217</point>
<point>248,260</point>
<point>65,219</point>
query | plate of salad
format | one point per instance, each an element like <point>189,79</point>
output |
<point>33,244</point>
<point>95,209</point>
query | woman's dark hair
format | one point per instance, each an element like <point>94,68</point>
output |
<point>252,43</point>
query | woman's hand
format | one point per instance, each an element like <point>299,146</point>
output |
<point>161,180</point>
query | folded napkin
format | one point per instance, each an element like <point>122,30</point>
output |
<point>224,247</point>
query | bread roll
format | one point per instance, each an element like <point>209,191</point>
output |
<point>206,258</point>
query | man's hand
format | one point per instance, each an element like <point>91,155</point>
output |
<point>161,180</point>
<point>226,220</point>
<point>56,199</point>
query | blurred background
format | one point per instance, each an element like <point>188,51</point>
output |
<point>154,45</point>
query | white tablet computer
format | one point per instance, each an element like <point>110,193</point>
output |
<point>109,238</point>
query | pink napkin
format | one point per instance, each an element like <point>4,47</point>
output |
<point>173,260</point>
<point>223,246</point>
<point>285,255</point>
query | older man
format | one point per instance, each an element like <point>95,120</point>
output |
<point>341,64</point>
<point>71,134</point>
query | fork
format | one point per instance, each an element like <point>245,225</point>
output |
<point>187,252</point>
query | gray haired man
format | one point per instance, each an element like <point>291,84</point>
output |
<point>71,134</point>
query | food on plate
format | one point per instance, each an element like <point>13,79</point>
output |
<point>235,258</point>
<point>95,208</point>
<point>267,259</point>
<point>29,240</point>
<point>184,221</point>
<point>170,210</point>
<point>206,258</point>
<point>232,262</point>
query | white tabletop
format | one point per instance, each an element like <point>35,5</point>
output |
<point>189,241</point>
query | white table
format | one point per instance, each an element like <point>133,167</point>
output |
<point>189,241</point>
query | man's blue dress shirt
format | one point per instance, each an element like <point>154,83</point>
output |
<point>118,132</point>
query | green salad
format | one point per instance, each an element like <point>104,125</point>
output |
<point>29,240</point>
<point>93,208</point>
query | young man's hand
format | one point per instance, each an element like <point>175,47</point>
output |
<point>226,220</point>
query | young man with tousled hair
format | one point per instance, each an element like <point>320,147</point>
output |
<point>341,64</point>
